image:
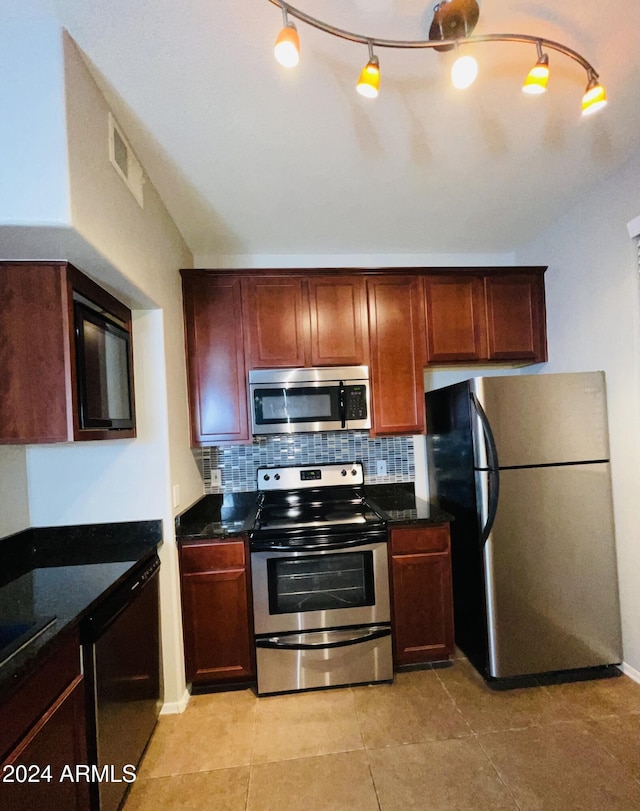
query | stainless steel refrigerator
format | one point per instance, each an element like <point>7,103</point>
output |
<point>522,463</point>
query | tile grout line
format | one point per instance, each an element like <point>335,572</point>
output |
<point>365,750</point>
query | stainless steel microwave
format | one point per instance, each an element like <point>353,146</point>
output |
<point>287,401</point>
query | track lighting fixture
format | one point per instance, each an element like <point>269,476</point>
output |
<point>538,76</point>
<point>287,47</point>
<point>452,26</point>
<point>369,81</point>
<point>594,96</point>
<point>463,71</point>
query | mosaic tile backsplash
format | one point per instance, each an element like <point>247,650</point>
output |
<point>238,463</point>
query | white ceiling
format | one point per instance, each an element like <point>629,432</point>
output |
<point>251,158</point>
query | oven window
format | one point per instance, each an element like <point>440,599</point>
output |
<point>320,582</point>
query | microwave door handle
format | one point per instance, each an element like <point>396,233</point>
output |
<point>342,405</point>
<point>357,638</point>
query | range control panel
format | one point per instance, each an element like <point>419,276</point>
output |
<point>296,478</point>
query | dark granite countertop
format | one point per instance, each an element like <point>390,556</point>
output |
<point>398,504</point>
<point>232,514</point>
<point>63,573</point>
<point>217,516</point>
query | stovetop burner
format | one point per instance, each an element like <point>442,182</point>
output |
<point>300,504</point>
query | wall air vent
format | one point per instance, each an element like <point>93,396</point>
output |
<point>124,161</point>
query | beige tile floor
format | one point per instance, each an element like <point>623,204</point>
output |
<point>435,739</point>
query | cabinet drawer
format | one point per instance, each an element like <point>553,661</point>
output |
<point>38,692</point>
<point>212,555</point>
<point>420,539</point>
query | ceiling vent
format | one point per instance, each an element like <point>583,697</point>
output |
<point>125,162</point>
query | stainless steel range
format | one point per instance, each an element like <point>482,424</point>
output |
<point>320,580</point>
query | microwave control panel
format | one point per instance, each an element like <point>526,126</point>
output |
<point>355,402</point>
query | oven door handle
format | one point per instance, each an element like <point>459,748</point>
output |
<point>317,546</point>
<point>281,644</point>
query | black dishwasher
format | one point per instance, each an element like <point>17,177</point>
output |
<point>121,660</point>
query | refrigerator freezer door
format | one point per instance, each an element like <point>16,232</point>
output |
<point>546,419</point>
<point>550,572</point>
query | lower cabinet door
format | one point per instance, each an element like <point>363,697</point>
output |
<point>41,772</point>
<point>423,611</point>
<point>216,626</point>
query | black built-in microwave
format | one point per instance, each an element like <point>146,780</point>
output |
<point>103,369</point>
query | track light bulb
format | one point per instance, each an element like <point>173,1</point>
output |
<point>287,47</point>
<point>594,97</point>
<point>538,76</point>
<point>369,81</point>
<point>464,72</point>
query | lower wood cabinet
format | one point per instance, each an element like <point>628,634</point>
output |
<point>422,596</point>
<point>43,736</point>
<point>215,612</point>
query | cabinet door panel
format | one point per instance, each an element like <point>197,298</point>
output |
<point>274,322</point>
<point>215,358</point>
<point>396,331</point>
<point>58,741</point>
<point>516,317</point>
<point>423,626</point>
<point>337,321</point>
<point>35,355</point>
<point>456,318</point>
<point>216,625</point>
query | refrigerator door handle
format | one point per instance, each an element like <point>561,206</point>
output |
<point>493,475</point>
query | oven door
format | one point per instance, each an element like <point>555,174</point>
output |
<point>326,588</point>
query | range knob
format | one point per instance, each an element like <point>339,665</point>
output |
<point>354,472</point>
<point>266,477</point>
<point>343,472</point>
<point>277,477</point>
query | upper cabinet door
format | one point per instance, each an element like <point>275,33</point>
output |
<point>35,355</point>
<point>456,317</point>
<point>274,321</point>
<point>397,337</point>
<point>337,321</point>
<point>516,321</point>
<point>215,358</point>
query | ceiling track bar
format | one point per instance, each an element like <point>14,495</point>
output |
<point>437,43</point>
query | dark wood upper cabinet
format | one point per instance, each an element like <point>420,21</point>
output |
<point>394,321</point>
<point>40,401</point>
<point>274,322</point>
<point>456,317</point>
<point>397,343</point>
<point>516,316</point>
<point>337,321</point>
<point>215,358</point>
<point>493,314</point>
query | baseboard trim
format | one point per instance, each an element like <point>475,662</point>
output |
<point>175,707</point>
<point>631,672</point>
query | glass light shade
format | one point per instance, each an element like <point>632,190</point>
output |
<point>287,47</point>
<point>464,72</point>
<point>594,98</point>
<point>369,81</point>
<point>537,78</point>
